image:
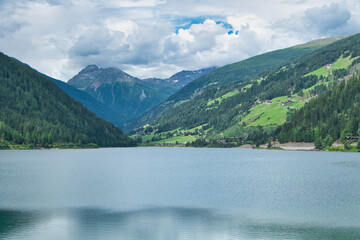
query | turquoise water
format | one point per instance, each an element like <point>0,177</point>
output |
<point>179,193</point>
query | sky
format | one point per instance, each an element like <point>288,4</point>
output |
<point>157,38</point>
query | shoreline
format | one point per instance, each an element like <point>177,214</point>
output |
<point>296,146</point>
<point>292,146</point>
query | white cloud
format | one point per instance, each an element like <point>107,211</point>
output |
<point>143,37</point>
<point>210,44</point>
<point>128,27</point>
<point>325,21</point>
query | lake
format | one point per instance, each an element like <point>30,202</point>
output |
<point>178,193</point>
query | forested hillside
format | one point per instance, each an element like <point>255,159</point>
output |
<point>226,78</point>
<point>34,112</point>
<point>251,110</point>
<point>100,109</point>
<point>247,69</point>
<point>333,115</point>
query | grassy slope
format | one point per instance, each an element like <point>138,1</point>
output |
<point>269,114</point>
<point>331,116</point>
<point>240,71</point>
<point>233,73</point>
<point>178,139</point>
<point>341,63</point>
<point>273,114</point>
<point>225,96</point>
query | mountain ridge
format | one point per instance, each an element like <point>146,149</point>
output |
<point>182,78</point>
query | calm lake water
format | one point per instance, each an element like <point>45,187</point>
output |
<point>179,193</point>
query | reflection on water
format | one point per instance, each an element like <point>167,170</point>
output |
<point>155,223</point>
<point>194,194</point>
<point>11,221</point>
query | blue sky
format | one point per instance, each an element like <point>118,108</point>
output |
<point>156,38</point>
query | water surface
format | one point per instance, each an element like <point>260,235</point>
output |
<point>179,193</point>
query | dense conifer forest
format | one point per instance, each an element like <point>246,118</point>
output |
<point>35,113</point>
<point>333,115</point>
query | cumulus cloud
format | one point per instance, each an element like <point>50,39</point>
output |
<point>327,19</point>
<point>131,3</point>
<point>156,38</point>
<point>210,44</point>
<point>324,21</point>
<point>117,46</point>
<point>159,48</point>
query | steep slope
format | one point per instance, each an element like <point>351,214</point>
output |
<point>100,109</point>
<point>244,71</point>
<point>334,115</point>
<point>120,91</point>
<point>34,112</point>
<point>253,108</point>
<point>127,97</point>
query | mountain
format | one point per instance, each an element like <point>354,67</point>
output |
<point>120,91</point>
<point>34,112</point>
<point>100,109</point>
<point>247,69</point>
<point>251,108</point>
<point>181,79</point>
<point>92,76</point>
<point>121,97</point>
<point>240,72</point>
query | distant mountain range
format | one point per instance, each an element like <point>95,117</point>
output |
<point>119,97</point>
<point>181,79</point>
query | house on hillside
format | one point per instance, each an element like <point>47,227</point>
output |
<point>234,139</point>
<point>348,138</point>
<point>141,133</point>
<point>328,66</point>
<point>286,103</point>
<point>268,102</point>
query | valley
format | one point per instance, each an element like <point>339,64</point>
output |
<point>249,102</point>
<point>251,111</point>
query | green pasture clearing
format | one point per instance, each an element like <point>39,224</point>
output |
<point>227,95</point>
<point>341,63</point>
<point>307,90</point>
<point>179,139</point>
<point>269,114</point>
<point>266,114</point>
<point>246,87</point>
<point>149,137</point>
